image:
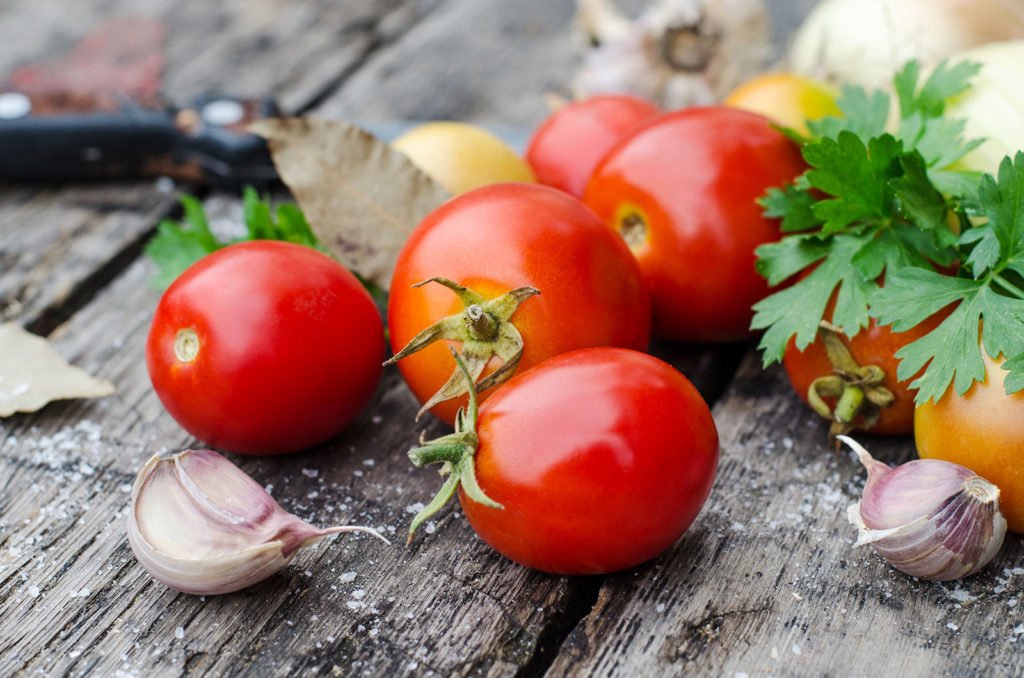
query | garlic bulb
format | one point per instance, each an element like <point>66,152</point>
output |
<point>677,53</point>
<point>200,525</point>
<point>928,518</point>
<point>864,42</point>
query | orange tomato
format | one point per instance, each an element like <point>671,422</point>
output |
<point>461,157</point>
<point>789,100</point>
<point>983,429</point>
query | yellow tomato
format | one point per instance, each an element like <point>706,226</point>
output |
<point>789,100</point>
<point>461,157</point>
<point>983,430</point>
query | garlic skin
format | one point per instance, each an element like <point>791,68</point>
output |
<point>200,525</point>
<point>677,53</point>
<point>928,518</point>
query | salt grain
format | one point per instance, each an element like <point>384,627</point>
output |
<point>358,593</point>
<point>33,591</point>
<point>310,472</point>
<point>431,527</point>
<point>952,627</point>
<point>347,577</point>
<point>414,508</point>
<point>179,633</point>
<point>660,607</point>
<point>355,605</point>
<point>796,649</point>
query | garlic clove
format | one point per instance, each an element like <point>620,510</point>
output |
<point>200,525</point>
<point>928,518</point>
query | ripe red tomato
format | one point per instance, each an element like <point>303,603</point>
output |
<point>505,236</point>
<point>981,430</point>
<point>265,347</point>
<point>875,345</point>
<point>567,146</point>
<point>681,190</point>
<point>601,459</point>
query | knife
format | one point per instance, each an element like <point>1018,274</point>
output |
<point>60,136</point>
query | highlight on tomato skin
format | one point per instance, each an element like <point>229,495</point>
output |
<point>682,191</point>
<point>567,146</point>
<point>265,347</point>
<point>602,458</point>
<point>500,238</point>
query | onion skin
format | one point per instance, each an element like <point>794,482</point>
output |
<point>864,42</point>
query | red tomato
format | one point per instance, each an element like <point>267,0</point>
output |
<point>601,459</point>
<point>265,347</point>
<point>982,430</point>
<point>505,236</point>
<point>875,345</point>
<point>567,146</point>
<point>681,190</point>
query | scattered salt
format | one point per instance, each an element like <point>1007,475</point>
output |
<point>414,508</point>
<point>269,488</point>
<point>431,527</point>
<point>952,627</point>
<point>179,633</point>
<point>355,605</point>
<point>961,596</point>
<point>1012,602</point>
<point>310,472</point>
<point>75,654</point>
<point>796,649</point>
<point>787,442</point>
<point>376,419</point>
<point>369,462</point>
<point>660,607</point>
<point>347,577</point>
<point>33,591</point>
<point>357,473</point>
<point>775,653</point>
<point>359,593</point>
<point>797,595</point>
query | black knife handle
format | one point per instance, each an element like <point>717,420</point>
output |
<point>207,142</point>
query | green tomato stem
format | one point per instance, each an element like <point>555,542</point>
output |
<point>457,454</point>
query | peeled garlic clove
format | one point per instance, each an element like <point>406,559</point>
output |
<point>928,518</point>
<point>200,525</point>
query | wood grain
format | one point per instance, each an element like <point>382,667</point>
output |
<point>76,601</point>
<point>767,582</point>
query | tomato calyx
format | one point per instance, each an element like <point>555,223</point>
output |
<point>859,391</point>
<point>456,452</point>
<point>485,330</point>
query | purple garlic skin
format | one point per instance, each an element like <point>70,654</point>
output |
<point>928,518</point>
<point>200,525</point>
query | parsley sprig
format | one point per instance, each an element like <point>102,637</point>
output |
<point>176,246</point>
<point>988,292</point>
<point>878,204</point>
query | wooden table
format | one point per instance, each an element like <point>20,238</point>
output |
<point>765,582</point>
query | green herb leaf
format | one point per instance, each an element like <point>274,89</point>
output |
<point>990,301</point>
<point>793,205</point>
<point>176,246</point>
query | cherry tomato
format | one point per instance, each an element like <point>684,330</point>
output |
<point>601,459</point>
<point>506,236</point>
<point>681,190</point>
<point>983,429</point>
<point>461,157</point>
<point>788,99</point>
<point>875,345</point>
<point>567,146</point>
<point>265,347</point>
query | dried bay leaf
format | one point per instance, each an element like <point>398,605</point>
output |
<point>32,373</point>
<point>361,197</point>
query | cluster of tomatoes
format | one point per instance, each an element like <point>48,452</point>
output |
<point>646,226</point>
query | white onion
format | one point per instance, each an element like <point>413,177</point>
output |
<point>994,105</point>
<point>864,42</point>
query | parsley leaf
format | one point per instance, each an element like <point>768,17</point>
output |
<point>872,203</point>
<point>176,246</point>
<point>987,293</point>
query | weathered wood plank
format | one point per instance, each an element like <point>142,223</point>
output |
<point>766,581</point>
<point>499,60</point>
<point>76,602</point>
